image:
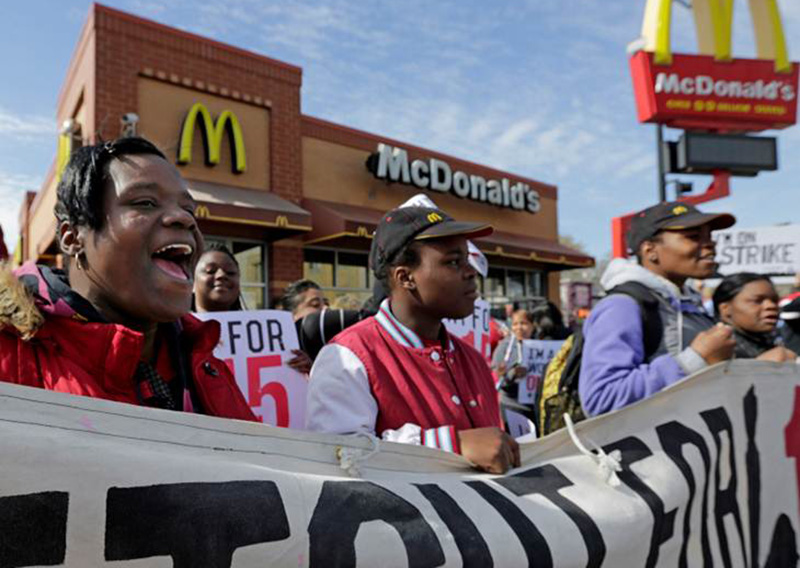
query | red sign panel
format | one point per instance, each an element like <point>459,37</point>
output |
<point>697,92</point>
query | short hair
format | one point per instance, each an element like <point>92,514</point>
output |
<point>548,322</point>
<point>408,255</point>
<point>290,298</point>
<point>216,246</point>
<point>732,284</point>
<point>80,191</point>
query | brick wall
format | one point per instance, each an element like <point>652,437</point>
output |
<point>285,266</point>
<point>127,47</point>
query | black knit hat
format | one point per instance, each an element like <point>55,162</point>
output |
<point>672,216</point>
<point>400,226</point>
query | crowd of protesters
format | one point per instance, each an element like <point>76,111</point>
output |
<point>116,323</point>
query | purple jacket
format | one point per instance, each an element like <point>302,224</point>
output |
<point>614,371</point>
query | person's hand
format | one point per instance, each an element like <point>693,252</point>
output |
<point>519,372</point>
<point>489,449</point>
<point>778,355</point>
<point>715,344</point>
<point>301,362</point>
<point>501,370</point>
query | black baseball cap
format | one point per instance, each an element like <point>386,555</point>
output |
<point>401,226</point>
<point>672,216</point>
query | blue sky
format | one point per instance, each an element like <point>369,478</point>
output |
<point>540,88</point>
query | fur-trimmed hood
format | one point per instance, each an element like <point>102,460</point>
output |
<point>18,308</point>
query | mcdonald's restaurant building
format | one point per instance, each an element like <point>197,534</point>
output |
<point>293,196</point>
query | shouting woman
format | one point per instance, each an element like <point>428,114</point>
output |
<point>117,326</point>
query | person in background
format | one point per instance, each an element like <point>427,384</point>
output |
<point>548,323</point>
<point>790,318</point>
<point>217,289</point>
<point>216,281</point>
<point>117,325</point>
<point>400,374</point>
<point>303,297</point>
<point>672,243</point>
<point>508,365</point>
<point>346,302</point>
<point>748,303</point>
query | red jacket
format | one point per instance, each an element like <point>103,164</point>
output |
<point>379,376</point>
<point>48,345</point>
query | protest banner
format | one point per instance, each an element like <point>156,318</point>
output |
<point>474,329</point>
<point>256,345</point>
<point>536,354</point>
<point>704,473</point>
<point>763,250</point>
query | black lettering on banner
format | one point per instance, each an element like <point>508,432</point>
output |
<point>233,336</point>
<point>275,334</point>
<point>33,529</point>
<point>255,337</point>
<point>718,421</point>
<point>673,437</point>
<point>783,549</point>
<point>472,546</point>
<point>343,506</point>
<point>536,548</point>
<point>634,450</point>
<point>753,463</point>
<point>196,524</point>
<point>547,481</point>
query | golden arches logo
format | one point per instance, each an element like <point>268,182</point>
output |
<point>282,221</point>
<point>202,212</point>
<point>679,210</point>
<point>212,137</point>
<point>434,218</point>
<point>714,22</point>
<point>63,154</point>
<point>361,231</point>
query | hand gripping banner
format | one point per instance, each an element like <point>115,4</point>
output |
<point>703,474</point>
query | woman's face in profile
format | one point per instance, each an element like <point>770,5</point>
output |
<point>140,264</point>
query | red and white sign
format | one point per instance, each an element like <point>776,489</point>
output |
<point>698,92</point>
<point>474,329</point>
<point>256,345</point>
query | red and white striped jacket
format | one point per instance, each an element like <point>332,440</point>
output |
<point>380,377</point>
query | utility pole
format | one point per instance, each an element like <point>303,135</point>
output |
<point>662,182</point>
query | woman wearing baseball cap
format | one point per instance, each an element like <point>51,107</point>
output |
<point>400,374</point>
<point>651,330</point>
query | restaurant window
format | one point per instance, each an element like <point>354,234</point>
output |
<point>251,257</point>
<point>344,276</point>
<point>512,285</point>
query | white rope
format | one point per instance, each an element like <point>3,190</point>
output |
<point>350,459</point>
<point>608,464</point>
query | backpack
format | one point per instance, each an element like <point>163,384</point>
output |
<point>558,393</point>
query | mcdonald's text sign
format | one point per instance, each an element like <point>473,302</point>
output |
<point>696,91</point>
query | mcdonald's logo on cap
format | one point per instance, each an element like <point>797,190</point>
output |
<point>212,133</point>
<point>712,90</point>
<point>434,218</point>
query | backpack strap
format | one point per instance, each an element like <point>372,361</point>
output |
<point>652,330</point>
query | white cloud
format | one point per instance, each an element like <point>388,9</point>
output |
<point>25,127</point>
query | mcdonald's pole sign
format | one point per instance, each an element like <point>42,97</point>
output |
<point>713,90</point>
<point>212,137</point>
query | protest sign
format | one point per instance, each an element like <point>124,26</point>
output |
<point>474,329</point>
<point>536,354</point>
<point>707,474</point>
<point>519,426</point>
<point>763,250</point>
<point>256,345</point>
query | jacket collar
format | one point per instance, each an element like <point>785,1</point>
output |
<point>399,332</point>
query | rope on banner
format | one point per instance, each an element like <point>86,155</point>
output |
<point>608,464</point>
<point>350,459</point>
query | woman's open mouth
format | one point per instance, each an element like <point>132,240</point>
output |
<point>175,260</point>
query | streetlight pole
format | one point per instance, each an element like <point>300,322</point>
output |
<point>662,182</point>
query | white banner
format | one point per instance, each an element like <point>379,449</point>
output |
<point>708,476</point>
<point>256,345</point>
<point>474,329</point>
<point>536,354</point>
<point>763,250</point>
